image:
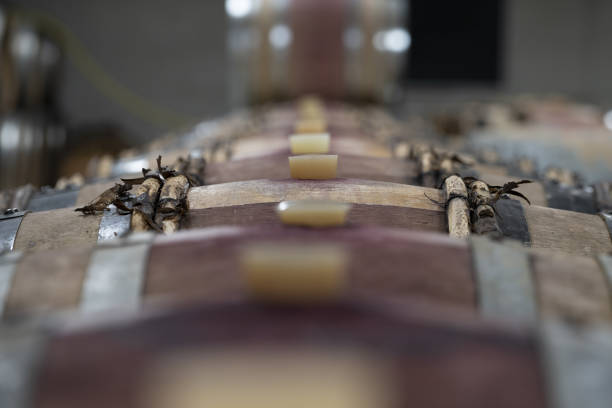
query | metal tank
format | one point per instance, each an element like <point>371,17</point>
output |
<point>350,49</point>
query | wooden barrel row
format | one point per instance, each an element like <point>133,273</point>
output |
<point>557,187</point>
<point>542,228</point>
<point>238,138</point>
<point>376,203</point>
<point>385,310</point>
<point>539,135</point>
<point>355,163</point>
<point>371,300</point>
<point>389,262</point>
<point>354,134</point>
<point>254,202</point>
<point>354,354</point>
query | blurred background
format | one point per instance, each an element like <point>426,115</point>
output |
<point>81,78</point>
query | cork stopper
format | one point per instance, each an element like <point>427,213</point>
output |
<point>310,107</point>
<point>294,273</point>
<point>401,150</point>
<point>269,376</point>
<point>314,166</point>
<point>313,213</point>
<point>309,143</point>
<point>311,125</point>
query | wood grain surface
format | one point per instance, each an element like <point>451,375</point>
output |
<point>381,203</point>
<point>391,261</point>
<point>395,262</point>
<point>345,190</point>
<point>47,281</point>
<point>278,143</point>
<point>89,192</point>
<point>438,360</point>
<point>360,214</point>
<point>56,229</point>
<point>571,287</point>
<point>276,166</point>
<point>567,231</point>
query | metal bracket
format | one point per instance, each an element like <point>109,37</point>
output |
<point>578,365</point>
<point>9,225</point>
<point>607,217</point>
<point>113,225</point>
<point>505,287</point>
<point>8,266</point>
<point>52,200</point>
<point>512,221</point>
<point>21,352</point>
<point>116,273</point>
<point>606,265</point>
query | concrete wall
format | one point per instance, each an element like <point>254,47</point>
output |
<point>172,53</point>
<point>560,45</point>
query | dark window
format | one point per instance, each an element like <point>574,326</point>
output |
<point>455,40</point>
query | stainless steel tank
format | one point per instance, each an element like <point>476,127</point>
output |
<point>335,48</point>
<point>30,137</point>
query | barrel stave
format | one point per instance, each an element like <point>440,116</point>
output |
<point>344,190</point>
<point>373,268</point>
<point>46,282</point>
<point>390,262</point>
<point>276,167</point>
<point>572,288</point>
<point>351,143</point>
<point>90,192</point>
<point>415,208</point>
<point>496,367</point>
<point>416,219</point>
<point>566,231</point>
<point>54,229</point>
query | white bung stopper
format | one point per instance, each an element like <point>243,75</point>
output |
<point>314,166</point>
<point>309,143</point>
<point>313,213</point>
<point>294,273</point>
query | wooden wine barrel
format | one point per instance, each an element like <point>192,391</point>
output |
<point>391,204</point>
<point>341,352</point>
<point>351,166</point>
<point>361,158</point>
<point>360,165</point>
<point>356,131</point>
<point>582,149</point>
<point>548,134</point>
<point>265,121</point>
<point>374,203</point>
<point>354,166</point>
<point>548,192</point>
<point>419,354</point>
<point>274,166</point>
<point>259,157</point>
<point>352,140</point>
<point>501,282</point>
